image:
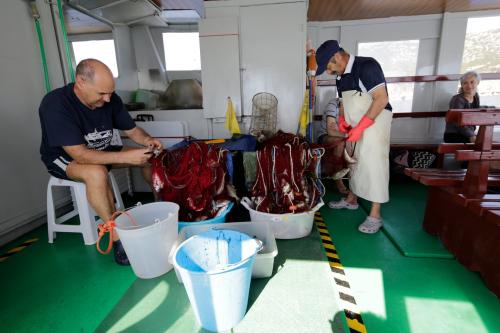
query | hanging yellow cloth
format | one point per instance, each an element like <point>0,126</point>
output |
<point>231,122</point>
<point>304,115</point>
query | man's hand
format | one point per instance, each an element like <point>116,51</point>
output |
<point>356,133</point>
<point>153,144</point>
<point>139,136</point>
<point>138,156</point>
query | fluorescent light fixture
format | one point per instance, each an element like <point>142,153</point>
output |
<point>180,16</point>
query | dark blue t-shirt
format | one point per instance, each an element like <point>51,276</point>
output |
<point>366,75</point>
<point>66,121</point>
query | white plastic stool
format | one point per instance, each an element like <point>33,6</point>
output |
<point>81,207</point>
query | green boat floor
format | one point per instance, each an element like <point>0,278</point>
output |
<point>403,217</point>
<point>70,287</point>
<point>396,293</point>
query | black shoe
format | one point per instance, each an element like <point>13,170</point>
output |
<point>120,255</point>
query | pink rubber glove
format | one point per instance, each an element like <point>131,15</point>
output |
<point>356,133</point>
<point>343,126</point>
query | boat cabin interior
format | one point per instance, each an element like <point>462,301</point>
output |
<point>227,75</point>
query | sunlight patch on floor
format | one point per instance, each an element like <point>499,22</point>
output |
<point>368,289</point>
<point>425,315</point>
<point>147,305</point>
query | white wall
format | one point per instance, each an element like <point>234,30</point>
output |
<point>23,177</point>
<point>271,41</point>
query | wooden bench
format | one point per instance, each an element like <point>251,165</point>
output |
<point>442,177</point>
<point>459,210</point>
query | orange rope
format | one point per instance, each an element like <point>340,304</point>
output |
<point>109,226</point>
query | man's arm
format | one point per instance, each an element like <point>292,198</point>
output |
<point>82,155</point>
<point>332,127</point>
<point>380,100</point>
<point>139,136</point>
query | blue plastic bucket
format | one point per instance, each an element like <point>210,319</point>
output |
<point>218,219</point>
<point>216,269</point>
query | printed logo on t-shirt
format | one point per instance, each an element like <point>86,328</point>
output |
<point>99,140</point>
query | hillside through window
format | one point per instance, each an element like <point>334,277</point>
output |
<point>482,54</point>
<point>397,58</point>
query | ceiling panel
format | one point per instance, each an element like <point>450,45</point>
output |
<point>333,10</point>
<point>184,4</point>
<point>79,23</point>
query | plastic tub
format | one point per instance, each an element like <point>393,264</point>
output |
<point>149,237</point>
<point>285,226</point>
<point>221,218</point>
<point>216,267</point>
<point>264,261</point>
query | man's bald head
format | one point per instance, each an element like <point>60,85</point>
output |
<point>89,68</point>
<point>94,83</point>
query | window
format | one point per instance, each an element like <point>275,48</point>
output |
<point>103,50</point>
<point>182,51</point>
<point>481,53</point>
<point>397,58</point>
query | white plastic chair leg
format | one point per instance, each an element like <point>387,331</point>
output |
<point>81,207</point>
<point>51,215</point>
<point>86,214</point>
<point>116,192</point>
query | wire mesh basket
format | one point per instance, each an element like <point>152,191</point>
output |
<point>264,114</point>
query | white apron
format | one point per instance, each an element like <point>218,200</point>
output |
<point>370,175</point>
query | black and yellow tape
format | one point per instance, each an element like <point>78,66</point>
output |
<point>17,249</point>
<point>347,300</point>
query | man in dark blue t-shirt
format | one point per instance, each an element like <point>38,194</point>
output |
<point>77,128</point>
<point>365,116</point>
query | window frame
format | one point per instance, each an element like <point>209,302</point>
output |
<point>92,37</point>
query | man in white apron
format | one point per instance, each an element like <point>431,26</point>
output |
<point>365,116</point>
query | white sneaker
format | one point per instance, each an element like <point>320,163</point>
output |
<point>371,225</point>
<point>342,204</point>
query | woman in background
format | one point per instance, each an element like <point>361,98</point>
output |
<point>467,98</point>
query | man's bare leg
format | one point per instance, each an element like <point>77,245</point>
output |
<point>375,210</point>
<point>146,174</point>
<point>340,186</point>
<point>111,197</point>
<point>99,193</point>
<point>352,198</point>
<point>100,197</point>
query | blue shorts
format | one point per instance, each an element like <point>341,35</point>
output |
<point>57,167</point>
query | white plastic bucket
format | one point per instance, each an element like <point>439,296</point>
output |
<point>216,268</point>
<point>149,237</point>
<point>285,226</point>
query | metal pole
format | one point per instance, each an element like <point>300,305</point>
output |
<point>66,43</point>
<point>36,18</point>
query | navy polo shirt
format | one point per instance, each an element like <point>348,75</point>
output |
<point>362,74</point>
<point>66,121</point>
